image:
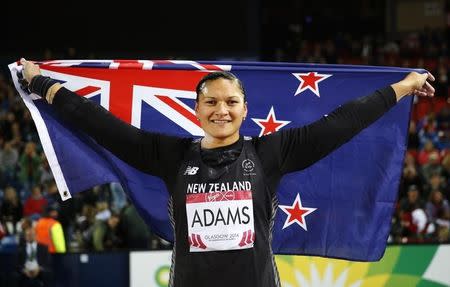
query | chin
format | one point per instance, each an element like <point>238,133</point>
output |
<point>221,135</point>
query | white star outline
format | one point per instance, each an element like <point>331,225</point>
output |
<point>285,208</point>
<point>315,90</point>
<point>271,113</point>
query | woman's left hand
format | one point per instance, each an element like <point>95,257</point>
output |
<point>421,84</point>
<point>414,84</point>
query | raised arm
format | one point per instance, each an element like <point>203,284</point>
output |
<point>300,147</point>
<point>149,152</point>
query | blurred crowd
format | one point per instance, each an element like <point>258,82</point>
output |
<point>102,218</point>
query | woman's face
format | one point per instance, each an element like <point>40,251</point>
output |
<point>221,110</point>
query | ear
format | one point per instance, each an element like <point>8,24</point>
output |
<point>196,109</point>
<point>245,110</point>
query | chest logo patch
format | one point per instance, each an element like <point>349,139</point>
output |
<point>191,170</point>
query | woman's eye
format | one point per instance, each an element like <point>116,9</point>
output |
<point>210,102</point>
<point>232,102</point>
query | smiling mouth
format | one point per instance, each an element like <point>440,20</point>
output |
<point>220,121</point>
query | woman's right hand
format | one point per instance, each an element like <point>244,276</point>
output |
<point>30,70</point>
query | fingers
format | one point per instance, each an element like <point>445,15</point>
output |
<point>420,93</point>
<point>30,69</point>
<point>24,62</point>
<point>429,88</point>
<point>22,76</point>
<point>426,90</point>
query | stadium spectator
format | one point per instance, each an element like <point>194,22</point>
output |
<point>410,176</point>
<point>137,237</point>
<point>33,262</point>
<point>29,166</point>
<point>49,231</point>
<point>35,203</point>
<point>433,166</point>
<point>413,219</point>
<point>435,182</point>
<point>9,157</point>
<point>424,154</point>
<point>11,211</point>
<point>438,211</point>
<point>105,234</point>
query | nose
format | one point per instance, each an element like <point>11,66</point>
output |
<point>222,109</point>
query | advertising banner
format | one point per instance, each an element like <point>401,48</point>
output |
<point>418,265</point>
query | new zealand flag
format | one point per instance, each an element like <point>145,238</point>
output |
<point>339,207</point>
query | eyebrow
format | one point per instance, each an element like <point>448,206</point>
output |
<point>211,97</point>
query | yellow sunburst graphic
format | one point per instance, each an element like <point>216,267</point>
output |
<point>303,271</point>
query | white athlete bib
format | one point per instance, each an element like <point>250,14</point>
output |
<point>220,221</point>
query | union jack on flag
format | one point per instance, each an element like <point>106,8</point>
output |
<point>339,207</point>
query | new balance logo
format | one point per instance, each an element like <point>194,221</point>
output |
<point>191,170</point>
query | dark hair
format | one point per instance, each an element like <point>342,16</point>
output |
<point>219,75</point>
<point>49,208</point>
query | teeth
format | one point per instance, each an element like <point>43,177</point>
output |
<point>220,122</point>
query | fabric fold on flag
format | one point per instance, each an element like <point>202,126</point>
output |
<point>339,207</point>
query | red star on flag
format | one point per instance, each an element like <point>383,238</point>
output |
<point>270,124</point>
<point>310,81</point>
<point>296,213</point>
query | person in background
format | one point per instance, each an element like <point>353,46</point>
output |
<point>105,236</point>
<point>49,231</point>
<point>438,212</point>
<point>29,164</point>
<point>33,262</point>
<point>9,158</point>
<point>11,211</point>
<point>36,203</point>
<point>133,230</point>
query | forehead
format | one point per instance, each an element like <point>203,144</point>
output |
<point>221,88</point>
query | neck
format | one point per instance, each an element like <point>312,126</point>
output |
<point>209,142</point>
